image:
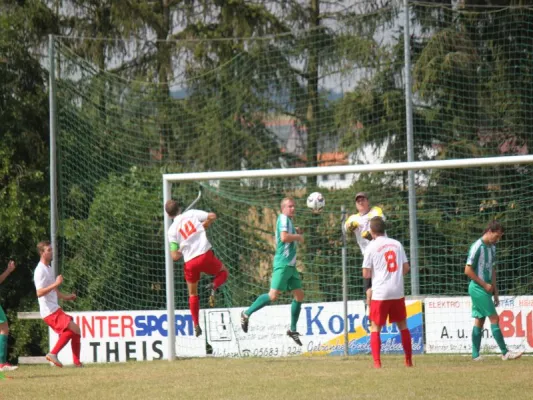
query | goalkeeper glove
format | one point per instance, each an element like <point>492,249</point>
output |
<point>351,225</point>
<point>366,235</point>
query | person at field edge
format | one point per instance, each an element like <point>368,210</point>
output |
<point>285,276</point>
<point>48,294</point>
<point>386,263</point>
<point>359,224</point>
<point>4,327</point>
<point>187,238</point>
<point>480,268</point>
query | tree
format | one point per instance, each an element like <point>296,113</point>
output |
<point>23,158</point>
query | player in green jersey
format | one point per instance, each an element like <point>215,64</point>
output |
<point>285,276</point>
<point>482,273</point>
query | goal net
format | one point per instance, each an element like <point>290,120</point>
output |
<point>316,98</point>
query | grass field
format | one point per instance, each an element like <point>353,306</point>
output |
<point>433,377</point>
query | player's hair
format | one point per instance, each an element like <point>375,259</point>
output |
<point>377,225</point>
<point>172,207</point>
<point>494,226</point>
<point>285,200</point>
<point>41,246</point>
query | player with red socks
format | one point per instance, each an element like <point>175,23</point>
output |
<point>48,294</point>
<point>187,238</point>
<point>386,263</point>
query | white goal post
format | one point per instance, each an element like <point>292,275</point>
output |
<point>169,179</point>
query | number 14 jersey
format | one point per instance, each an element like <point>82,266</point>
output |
<point>188,232</point>
<point>385,257</point>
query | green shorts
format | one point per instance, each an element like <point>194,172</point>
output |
<point>3,317</point>
<point>285,278</point>
<point>482,303</point>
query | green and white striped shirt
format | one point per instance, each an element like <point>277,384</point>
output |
<point>482,258</point>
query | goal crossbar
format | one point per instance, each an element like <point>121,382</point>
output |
<point>346,169</point>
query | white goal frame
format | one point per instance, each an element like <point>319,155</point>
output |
<point>169,179</point>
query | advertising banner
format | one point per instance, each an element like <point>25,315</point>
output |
<point>449,325</point>
<point>321,326</point>
<point>142,335</point>
<point>119,336</point>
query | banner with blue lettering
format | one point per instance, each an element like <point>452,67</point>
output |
<point>142,335</point>
<point>321,326</point>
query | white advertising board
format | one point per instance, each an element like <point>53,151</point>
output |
<point>449,325</point>
<point>142,335</point>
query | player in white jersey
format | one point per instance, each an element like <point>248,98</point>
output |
<point>386,263</point>
<point>359,224</point>
<point>48,294</point>
<point>187,239</point>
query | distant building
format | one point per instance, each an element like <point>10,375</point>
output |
<point>292,139</point>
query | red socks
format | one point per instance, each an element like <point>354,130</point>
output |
<point>407,347</point>
<point>375,347</point>
<point>194,306</point>
<point>62,341</point>
<point>220,279</point>
<point>76,347</point>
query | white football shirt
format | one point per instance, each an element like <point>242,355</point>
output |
<point>43,276</point>
<point>189,233</point>
<point>363,222</point>
<point>385,257</point>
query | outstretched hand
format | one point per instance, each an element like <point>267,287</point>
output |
<point>10,266</point>
<point>70,297</point>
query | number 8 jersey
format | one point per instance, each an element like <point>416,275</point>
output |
<point>187,232</point>
<point>385,257</point>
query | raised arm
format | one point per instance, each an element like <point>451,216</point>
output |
<point>210,219</point>
<point>10,268</point>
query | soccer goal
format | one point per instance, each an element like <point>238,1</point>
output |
<point>455,200</point>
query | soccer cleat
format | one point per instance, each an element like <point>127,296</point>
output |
<point>80,365</point>
<point>54,360</point>
<point>512,356</point>
<point>197,330</point>
<point>294,336</point>
<point>244,322</point>
<point>212,292</point>
<point>7,367</point>
<point>478,358</point>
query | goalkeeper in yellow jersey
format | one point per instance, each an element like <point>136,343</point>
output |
<point>359,224</point>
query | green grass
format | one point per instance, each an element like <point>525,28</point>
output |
<point>433,377</point>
